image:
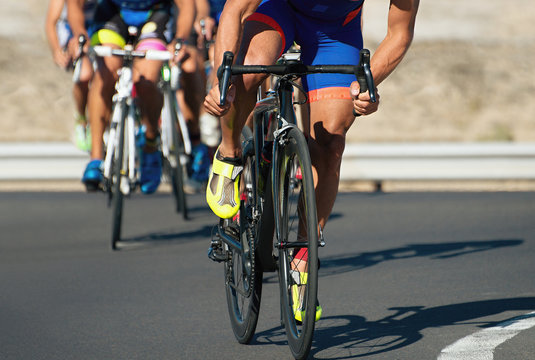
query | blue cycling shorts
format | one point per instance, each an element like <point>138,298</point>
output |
<point>327,42</point>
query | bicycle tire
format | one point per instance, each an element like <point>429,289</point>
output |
<point>117,174</point>
<point>297,219</point>
<point>176,152</point>
<point>243,281</point>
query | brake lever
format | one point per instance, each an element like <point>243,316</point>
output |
<point>77,66</point>
<point>176,69</point>
<point>223,74</point>
<point>365,77</point>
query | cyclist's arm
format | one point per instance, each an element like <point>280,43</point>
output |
<point>185,19</point>
<point>229,34</point>
<point>76,17</point>
<point>203,14</point>
<point>203,9</point>
<point>231,24</point>
<point>400,31</point>
<point>55,7</point>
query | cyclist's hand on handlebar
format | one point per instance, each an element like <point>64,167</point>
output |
<point>211,101</point>
<point>185,52</point>
<point>205,28</point>
<point>61,58</point>
<point>361,101</point>
<point>74,46</point>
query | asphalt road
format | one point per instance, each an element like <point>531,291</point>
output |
<point>403,276</point>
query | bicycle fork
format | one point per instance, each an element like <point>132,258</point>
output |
<point>278,144</point>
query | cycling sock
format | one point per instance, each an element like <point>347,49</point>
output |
<point>237,161</point>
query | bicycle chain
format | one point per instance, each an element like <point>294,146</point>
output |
<point>251,240</point>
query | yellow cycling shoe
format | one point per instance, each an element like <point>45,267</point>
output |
<point>222,192</point>
<point>297,294</point>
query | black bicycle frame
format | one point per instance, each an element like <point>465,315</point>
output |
<point>264,114</point>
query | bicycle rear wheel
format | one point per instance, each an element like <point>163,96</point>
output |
<point>297,241</point>
<point>173,162</point>
<point>117,176</point>
<point>243,275</point>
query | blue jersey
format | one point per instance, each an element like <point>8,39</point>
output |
<point>137,4</point>
<point>327,9</point>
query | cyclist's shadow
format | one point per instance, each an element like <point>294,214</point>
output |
<point>352,336</point>
<point>337,264</point>
<point>347,262</point>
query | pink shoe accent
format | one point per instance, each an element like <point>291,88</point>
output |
<point>298,174</point>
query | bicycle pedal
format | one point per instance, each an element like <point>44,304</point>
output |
<point>215,251</point>
<point>321,240</point>
<point>216,255</point>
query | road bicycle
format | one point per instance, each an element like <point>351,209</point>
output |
<point>176,143</point>
<point>276,227</point>
<point>120,162</point>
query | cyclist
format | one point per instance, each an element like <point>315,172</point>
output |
<point>190,97</point>
<point>203,127</point>
<point>329,32</point>
<point>110,27</point>
<point>64,47</point>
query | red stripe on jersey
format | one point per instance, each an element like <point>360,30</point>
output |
<point>351,15</point>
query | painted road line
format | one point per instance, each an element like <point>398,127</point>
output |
<point>481,345</point>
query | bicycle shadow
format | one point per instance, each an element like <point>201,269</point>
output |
<point>197,207</point>
<point>163,238</point>
<point>339,264</point>
<point>352,336</point>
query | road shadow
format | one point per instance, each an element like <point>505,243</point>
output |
<point>352,336</point>
<point>194,228</point>
<point>339,264</point>
<point>153,239</point>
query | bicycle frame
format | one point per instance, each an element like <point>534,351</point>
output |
<point>123,99</point>
<point>170,76</point>
<point>265,113</point>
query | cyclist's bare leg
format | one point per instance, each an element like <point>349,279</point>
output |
<point>150,100</point>
<point>330,121</point>
<point>100,101</point>
<point>190,101</point>
<point>81,88</point>
<point>261,45</point>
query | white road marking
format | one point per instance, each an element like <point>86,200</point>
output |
<point>481,345</point>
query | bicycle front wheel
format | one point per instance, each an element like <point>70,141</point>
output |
<point>176,152</point>
<point>117,176</point>
<point>243,274</point>
<point>297,241</point>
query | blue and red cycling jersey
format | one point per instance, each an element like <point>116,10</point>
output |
<point>329,33</point>
<point>327,9</point>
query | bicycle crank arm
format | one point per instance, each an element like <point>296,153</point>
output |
<point>228,239</point>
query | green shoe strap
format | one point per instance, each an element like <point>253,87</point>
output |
<point>80,119</point>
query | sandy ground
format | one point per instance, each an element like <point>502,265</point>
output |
<point>468,76</point>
